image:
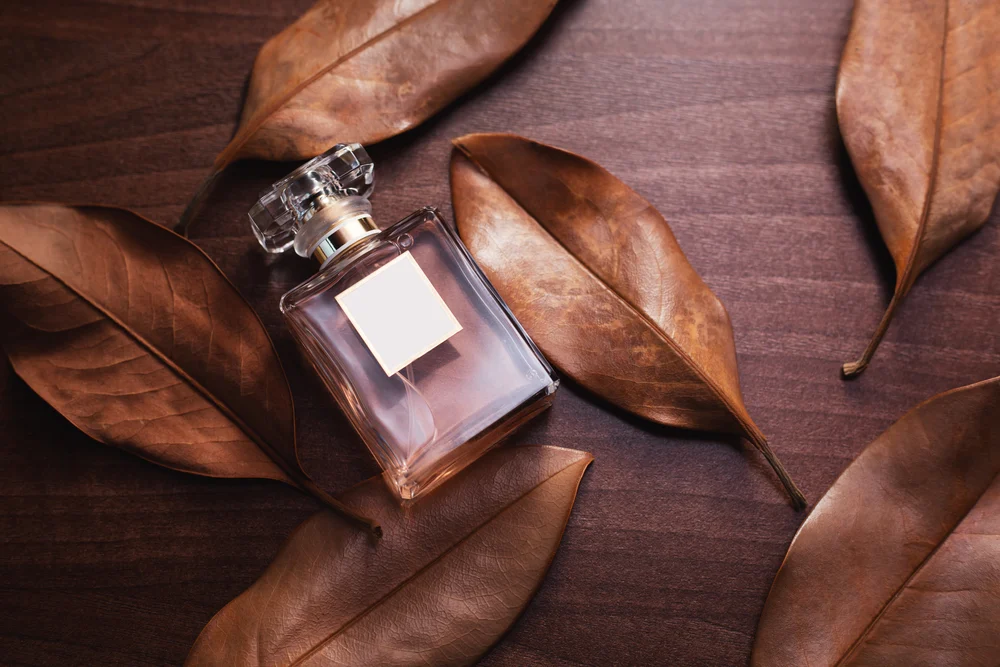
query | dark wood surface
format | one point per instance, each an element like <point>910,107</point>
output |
<point>720,112</point>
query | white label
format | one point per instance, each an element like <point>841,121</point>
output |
<point>398,313</point>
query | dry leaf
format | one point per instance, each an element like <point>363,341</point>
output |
<point>595,275</point>
<point>918,105</point>
<point>452,574</point>
<point>361,72</point>
<point>136,337</point>
<point>365,71</point>
<point>899,564</point>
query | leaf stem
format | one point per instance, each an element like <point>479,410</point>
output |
<point>197,202</point>
<point>761,445</point>
<point>370,525</point>
<point>856,368</point>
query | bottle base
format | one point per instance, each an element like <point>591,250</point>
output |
<point>412,484</point>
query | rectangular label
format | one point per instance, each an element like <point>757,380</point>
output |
<point>398,313</point>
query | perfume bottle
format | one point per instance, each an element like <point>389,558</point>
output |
<point>415,345</point>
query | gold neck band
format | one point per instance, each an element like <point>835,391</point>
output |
<point>343,236</point>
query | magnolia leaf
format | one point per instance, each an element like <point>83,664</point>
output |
<point>452,574</point>
<point>595,275</point>
<point>918,109</point>
<point>899,564</point>
<point>135,336</point>
<point>361,72</point>
<point>365,71</point>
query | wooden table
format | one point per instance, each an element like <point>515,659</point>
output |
<point>720,112</point>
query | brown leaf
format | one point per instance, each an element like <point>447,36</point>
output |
<point>899,564</point>
<point>452,574</point>
<point>918,105</point>
<point>136,337</point>
<point>365,71</point>
<point>595,275</point>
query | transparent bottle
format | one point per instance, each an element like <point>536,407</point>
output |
<point>406,332</point>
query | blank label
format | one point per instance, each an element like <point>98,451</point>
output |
<point>398,313</point>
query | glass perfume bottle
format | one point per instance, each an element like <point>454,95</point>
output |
<point>406,332</point>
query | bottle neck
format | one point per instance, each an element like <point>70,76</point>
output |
<point>344,235</point>
<point>331,225</point>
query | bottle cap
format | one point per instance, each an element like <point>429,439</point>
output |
<point>338,184</point>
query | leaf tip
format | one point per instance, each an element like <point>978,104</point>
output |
<point>461,144</point>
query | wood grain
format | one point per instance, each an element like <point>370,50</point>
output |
<point>720,113</point>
